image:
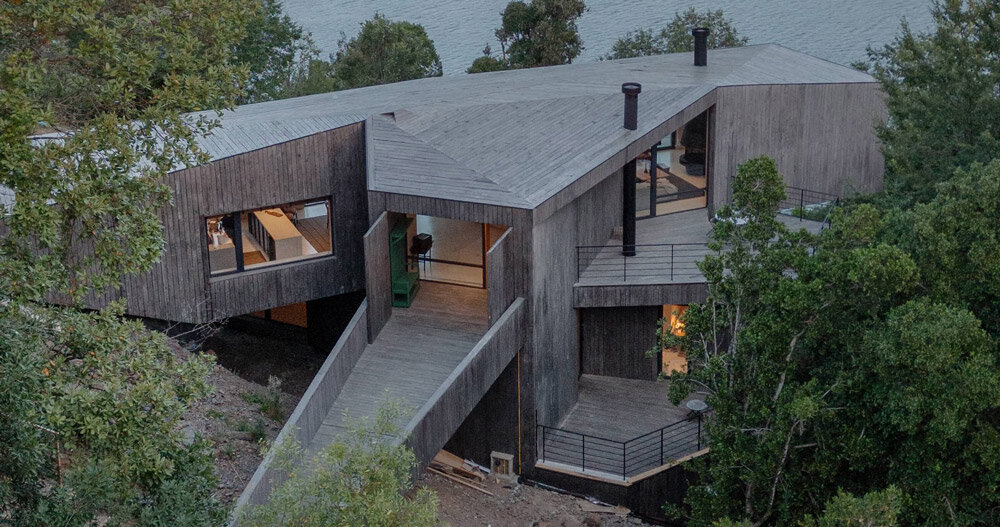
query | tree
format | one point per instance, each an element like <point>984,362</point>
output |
<point>676,37</point>
<point>270,48</point>
<point>92,117</point>
<point>833,363</point>
<point>941,94</point>
<point>487,63</point>
<point>539,33</point>
<point>383,52</point>
<point>875,509</point>
<point>360,479</point>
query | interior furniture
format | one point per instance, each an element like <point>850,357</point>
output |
<point>405,279</point>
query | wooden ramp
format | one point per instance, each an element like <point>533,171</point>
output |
<point>412,356</point>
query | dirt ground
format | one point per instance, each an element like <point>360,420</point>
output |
<point>231,422</point>
<point>515,505</point>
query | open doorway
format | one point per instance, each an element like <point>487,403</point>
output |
<point>672,176</point>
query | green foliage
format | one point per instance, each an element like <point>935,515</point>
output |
<point>535,33</point>
<point>362,479</point>
<point>875,509</point>
<point>487,63</point>
<point>676,37</point>
<point>944,112</point>
<point>268,399</point>
<point>955,241</point>
<point>383,52</point>
<point>843,361</point>
<point>255,429</point>
<point>271,47</point>
<point>92,400</point>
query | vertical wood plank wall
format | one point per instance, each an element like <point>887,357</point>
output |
<point>439,418</point>
<point>821,135</point>
<point>588,220</point>
<point>179,287</point>
<point>614,341</point>
<point>378,275</point>
<point>499,287</point>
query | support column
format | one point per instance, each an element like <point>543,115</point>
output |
<point>628,209</point>
<point>652,179</point>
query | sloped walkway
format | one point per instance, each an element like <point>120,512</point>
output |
<point>411,358</point>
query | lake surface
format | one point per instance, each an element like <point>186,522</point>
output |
<point>834,30</point>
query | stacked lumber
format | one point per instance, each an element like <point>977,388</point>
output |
<point>452,467</point>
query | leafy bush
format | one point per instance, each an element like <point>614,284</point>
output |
<point>361,479</point>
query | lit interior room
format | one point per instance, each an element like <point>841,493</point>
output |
<point>672,359</point>
<point>673,175</point>
<point>258,238</point>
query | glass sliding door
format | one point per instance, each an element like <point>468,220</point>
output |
<point>673,175</point>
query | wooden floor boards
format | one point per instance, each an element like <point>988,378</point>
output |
<point>411,357</point>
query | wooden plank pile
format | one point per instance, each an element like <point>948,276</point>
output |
<point>450,466</point>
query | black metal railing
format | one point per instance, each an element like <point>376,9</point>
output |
<point>666,261</point>
<point>806,204</point>
<point>622,459</point>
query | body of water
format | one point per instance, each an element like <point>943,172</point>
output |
<point>834,30</point>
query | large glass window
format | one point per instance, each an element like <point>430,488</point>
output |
<point>673,175</point>
<point>269,236</point>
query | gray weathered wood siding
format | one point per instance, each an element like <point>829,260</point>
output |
<point>180,288</point>
<point>821,135</point>
<point>639,295</point>
<point>588,220</point>
<point>500,287</point>
<point>378,275</point>
<point>439,418</point>
<point>614,341</point>
<point>517,276</point>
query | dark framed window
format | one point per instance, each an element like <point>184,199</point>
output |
<point>269,236</point>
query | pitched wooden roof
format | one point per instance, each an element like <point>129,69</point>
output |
<point>512,138</point>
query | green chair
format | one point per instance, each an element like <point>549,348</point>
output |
<point>405,278</point>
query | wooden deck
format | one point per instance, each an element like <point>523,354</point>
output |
<point>613,432</point>
<point>412,356</point>
<point>667,252</point>
<point>621,409</point>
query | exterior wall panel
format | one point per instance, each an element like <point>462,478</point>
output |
<point>821,135</point>
<point>614,341</point>
<point>326,164</point>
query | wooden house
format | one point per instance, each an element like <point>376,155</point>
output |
<point>543,229</point>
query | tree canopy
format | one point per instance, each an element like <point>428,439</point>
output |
<point>362,478</point>
<point>535,33</point>
<point>384,51</point>
<point>92,117</point>
<point>676,37</point>
<point>271,49</point>
<point>944,112</point>
<point>848,360</point>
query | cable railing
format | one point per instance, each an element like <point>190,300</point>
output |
<point>622,459</point>
<point>667,260</point>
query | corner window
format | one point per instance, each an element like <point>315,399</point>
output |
<point>269,236</point>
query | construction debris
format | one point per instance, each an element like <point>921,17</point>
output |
<point>458,470</point>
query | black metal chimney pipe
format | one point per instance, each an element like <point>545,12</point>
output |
<point>700,46</point>
<point>631,91</point>
<point>628,209</point>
